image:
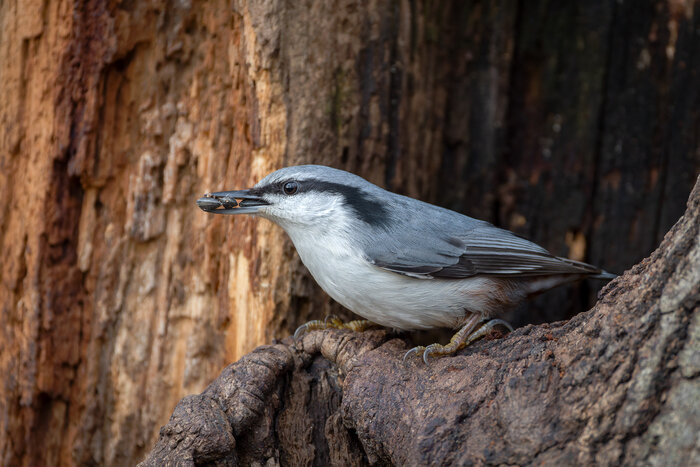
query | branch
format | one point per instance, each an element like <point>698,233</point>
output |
<point>617,384</point>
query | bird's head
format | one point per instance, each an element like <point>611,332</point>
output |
<point>305,197</point>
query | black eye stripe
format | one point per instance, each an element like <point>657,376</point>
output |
<point>367,207</point>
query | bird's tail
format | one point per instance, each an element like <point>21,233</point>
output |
<point>592,272</point>
<point>604,275</point>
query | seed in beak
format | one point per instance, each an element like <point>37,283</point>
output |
<point>228,203</point>
<point>208,204</point>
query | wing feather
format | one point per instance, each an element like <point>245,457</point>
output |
<point>484,249</point>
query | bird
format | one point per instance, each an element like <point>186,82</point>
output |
<point>399,262</point>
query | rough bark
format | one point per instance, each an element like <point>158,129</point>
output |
<point>617,385</point>
<point>572,123</point>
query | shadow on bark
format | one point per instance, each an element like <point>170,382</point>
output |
<point>619,384</point>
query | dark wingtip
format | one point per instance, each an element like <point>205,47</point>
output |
<point>604,275</point>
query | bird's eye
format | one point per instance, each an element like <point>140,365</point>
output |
<point>290,188</point>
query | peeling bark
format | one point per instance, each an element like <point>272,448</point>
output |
<point>617,385</point>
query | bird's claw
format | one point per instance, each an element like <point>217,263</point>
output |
<point>470,333</point>
<point>432,349</point>
<point>310,326</point>
<point>485,330</point>
<point>427,352</point>
<point>299,331</point>
<point>414,350</point>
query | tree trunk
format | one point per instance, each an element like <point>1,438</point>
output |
<point>617,385</point>
<point>574,124</point>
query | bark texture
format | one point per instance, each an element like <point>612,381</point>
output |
<point>573,123</point>
<point>617,385</point>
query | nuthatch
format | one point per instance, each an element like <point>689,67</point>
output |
<point>396,261</point>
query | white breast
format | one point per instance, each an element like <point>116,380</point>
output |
<point>388,298</point>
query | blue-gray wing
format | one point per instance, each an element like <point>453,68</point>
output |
<point>480,249</point>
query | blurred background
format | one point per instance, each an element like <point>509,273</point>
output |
<point>574,124</point>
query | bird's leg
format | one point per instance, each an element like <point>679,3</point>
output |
<point>459,337</point>
<point>469,333</point>
<point>357,325</point>
<point>333,322</point>
<point>485,329</point>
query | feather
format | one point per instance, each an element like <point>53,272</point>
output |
<point>483,250</point>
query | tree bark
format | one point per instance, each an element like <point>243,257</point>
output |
<point>572,123</point>
<point>617,385</point>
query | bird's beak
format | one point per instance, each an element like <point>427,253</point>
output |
<point>224,202</point>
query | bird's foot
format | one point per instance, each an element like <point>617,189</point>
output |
<point>333,322</point>
<point>469,333</point>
